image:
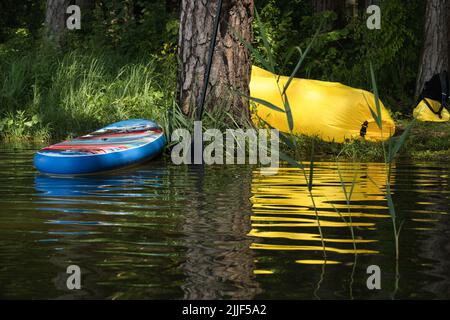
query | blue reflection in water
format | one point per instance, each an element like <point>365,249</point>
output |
<point>82,202</point>
<point>97,185</point>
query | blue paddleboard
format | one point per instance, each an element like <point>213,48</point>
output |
<point>118,145</point>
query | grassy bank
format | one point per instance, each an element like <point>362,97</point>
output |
<point>48,96</point>
<point>426,142</point>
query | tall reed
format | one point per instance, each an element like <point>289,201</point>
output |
<point>390,154</point>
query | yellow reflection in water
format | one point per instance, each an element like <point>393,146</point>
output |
<point>284,219</point>
<point>260,271</point>
<point>301,236</point>
<point>308,248</point>
<point>317,262</point>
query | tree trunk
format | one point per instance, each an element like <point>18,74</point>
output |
<point>435,56</point>
<point>231,67</point>
<point>55,20</point>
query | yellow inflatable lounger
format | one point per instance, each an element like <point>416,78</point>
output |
<point>431,111</point>
<point>433,99</point>
<point>330,110</point>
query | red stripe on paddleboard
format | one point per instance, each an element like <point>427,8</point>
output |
<point>85,147</point>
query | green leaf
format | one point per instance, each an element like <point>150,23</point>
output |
<point>288,111</point>
<point>264,102</point>
<point>311,168</point>
<point>287,140</point>
<point>400,141</point>
<point>390,203</point>
<point>375,117</point>
<point>344,187</point>
<point>390,154</point>
<point>291,161</point>
<point>353,187</point>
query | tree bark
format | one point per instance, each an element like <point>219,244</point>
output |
<point>55,20</point>
<point>231,66</point>
<point>435,56</point>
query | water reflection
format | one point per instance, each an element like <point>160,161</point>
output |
<point>164,231</point>
<point>215,260</point>
<point>284,217</point>
<point>285,229</point>
<point>104,224</point>
<point>219,263</point>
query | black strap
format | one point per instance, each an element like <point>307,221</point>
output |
<point>363,130</point>
<point>439,112</point>
<point>436,89</point>
<point>201,103</point>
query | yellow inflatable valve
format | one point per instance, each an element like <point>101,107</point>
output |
<point>329,110</point>
<point>430,110</point>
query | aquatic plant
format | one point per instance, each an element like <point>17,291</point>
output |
<point>20,126</point>
<point>394,146</point>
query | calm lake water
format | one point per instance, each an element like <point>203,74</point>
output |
<point>160,231</point>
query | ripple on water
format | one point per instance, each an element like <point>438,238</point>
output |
<point>163,231</point>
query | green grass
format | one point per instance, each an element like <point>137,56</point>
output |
<point>354,149</point>
<point>65,95</point>
<point>428,141</point>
